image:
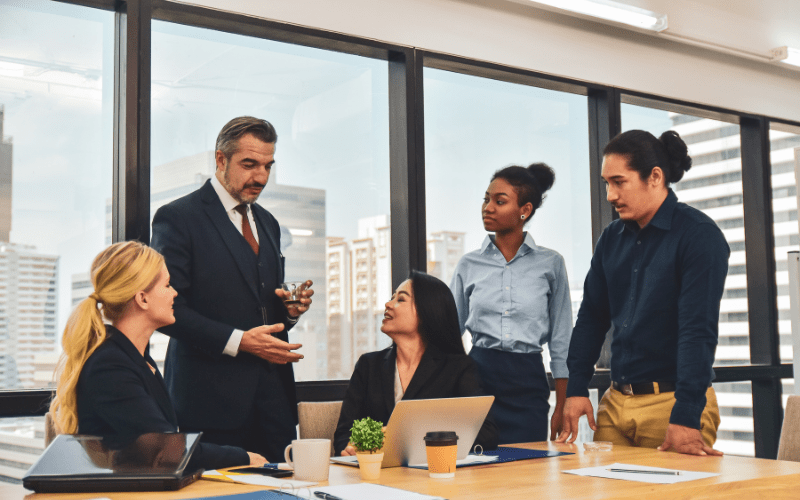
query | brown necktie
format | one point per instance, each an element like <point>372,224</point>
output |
<point>247,231</point>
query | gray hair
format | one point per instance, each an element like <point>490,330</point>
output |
<point>228,138</point>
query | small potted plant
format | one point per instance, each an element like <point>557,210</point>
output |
<point>366,435</point>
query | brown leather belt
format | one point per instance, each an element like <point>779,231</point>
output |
<point>644,388</point>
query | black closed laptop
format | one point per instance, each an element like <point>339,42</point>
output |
<point>149,462</point>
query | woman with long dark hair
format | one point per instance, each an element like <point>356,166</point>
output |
<point>426,360</point>
<point>513,297</point>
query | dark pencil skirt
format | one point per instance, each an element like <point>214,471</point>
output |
<point>518,383</point>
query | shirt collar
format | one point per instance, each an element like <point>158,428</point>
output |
<point>663,217</point>
<point>228,201</point>
<point>527,244</point>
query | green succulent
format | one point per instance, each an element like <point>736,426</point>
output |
<point>367,435</point>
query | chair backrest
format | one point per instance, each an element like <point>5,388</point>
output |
<point>318,420</point>
<point>789,447</point>
<point>50,431</point>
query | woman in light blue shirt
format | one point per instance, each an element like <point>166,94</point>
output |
<point>513,297</point>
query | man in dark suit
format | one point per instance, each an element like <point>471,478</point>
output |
<point>228,365</point>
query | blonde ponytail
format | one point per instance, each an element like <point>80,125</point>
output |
<point>118,273</point>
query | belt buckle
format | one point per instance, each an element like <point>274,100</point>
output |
<point>627,390</point>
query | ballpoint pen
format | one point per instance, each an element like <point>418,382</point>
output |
<point>326,496</point>
<point>635,471</point>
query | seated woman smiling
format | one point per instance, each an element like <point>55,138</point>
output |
<point>109,385</point>
<point>426,361</point>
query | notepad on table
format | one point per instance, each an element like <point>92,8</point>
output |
<point>641,473</point>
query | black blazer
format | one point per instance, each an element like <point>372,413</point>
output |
<point>118,395</point>
<point>221,286</point>
<point>439,375</point>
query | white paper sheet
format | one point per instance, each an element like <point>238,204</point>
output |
<point>366,491</point>
<point>643,477</point>
<point>213,473</point>
<point>275,482</point>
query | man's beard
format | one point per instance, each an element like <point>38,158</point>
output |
<point>239,195</point>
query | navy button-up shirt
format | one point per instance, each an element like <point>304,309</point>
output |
<point>659,288</point>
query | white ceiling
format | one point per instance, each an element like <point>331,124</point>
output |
<point>750,25</point>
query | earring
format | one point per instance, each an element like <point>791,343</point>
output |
<point>522,216</point>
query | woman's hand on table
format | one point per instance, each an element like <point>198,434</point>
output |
<point>256,460</point>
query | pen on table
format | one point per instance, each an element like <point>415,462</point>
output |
<point>637,471</point>
<point>326,496</point>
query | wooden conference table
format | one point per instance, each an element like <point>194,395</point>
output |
<point>739,477</point>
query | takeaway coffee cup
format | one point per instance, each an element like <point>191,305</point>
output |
<point>441,448</point>
<point>311,458</point>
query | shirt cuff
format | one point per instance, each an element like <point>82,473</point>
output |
<point>577,386</point>
<point>686,414</point>
<point>232,347</point>
<point>559,369</point>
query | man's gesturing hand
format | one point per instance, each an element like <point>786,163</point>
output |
<point>687,441</point>
<point>259,341</point>
<point>574,408</point>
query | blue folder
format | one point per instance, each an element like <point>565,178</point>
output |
<point>508,454</point>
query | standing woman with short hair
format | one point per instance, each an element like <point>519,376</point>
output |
<point>513,297</point>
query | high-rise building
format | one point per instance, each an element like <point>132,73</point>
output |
<point>445,249</point>
<point>28,293</point>
<point>5,181</point>
<point>359,283</point>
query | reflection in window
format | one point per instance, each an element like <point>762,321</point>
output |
<point>476,126</point>
<point>56,112</point>
<point>714,185</point>
<point>329,188</point>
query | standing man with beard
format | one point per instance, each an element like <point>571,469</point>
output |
<point>228,365</point>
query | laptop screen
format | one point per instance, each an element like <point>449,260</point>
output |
<point>153,454</point>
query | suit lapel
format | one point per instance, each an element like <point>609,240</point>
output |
<point>268,242</point>
<point>237,245</point>
<point>429,364</point>
<point>388,368</point>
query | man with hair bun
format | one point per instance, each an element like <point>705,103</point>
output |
<point>656,279</point>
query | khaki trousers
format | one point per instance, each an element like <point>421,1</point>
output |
<point>642,420</point>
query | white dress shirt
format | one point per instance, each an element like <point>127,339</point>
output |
<point>230,204</point>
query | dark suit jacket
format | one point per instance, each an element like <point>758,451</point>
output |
<point>221,285</point>
<point>118,395</point>
<point>439,375</point>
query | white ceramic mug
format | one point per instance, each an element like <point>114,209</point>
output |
<point>311,459</point>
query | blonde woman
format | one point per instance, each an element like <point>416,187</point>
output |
<point>109,385</point>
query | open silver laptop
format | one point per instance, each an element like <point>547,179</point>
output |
<point>412,419</point>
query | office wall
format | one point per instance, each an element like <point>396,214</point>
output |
<point>518,35</point>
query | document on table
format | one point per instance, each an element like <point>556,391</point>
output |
<point>365,491</point>
<point>257,480</point>
<point>641,473</point>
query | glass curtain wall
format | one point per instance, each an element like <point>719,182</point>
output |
<point>329,187</point>
<point>56,118</point>
<point>714,186</point>
<point>784,155</point>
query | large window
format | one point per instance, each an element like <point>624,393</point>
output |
<point>329,188</point>
<point>56,113</point>
<point>784,140</point>
<point>476,126</point>
<point>714,186</point>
